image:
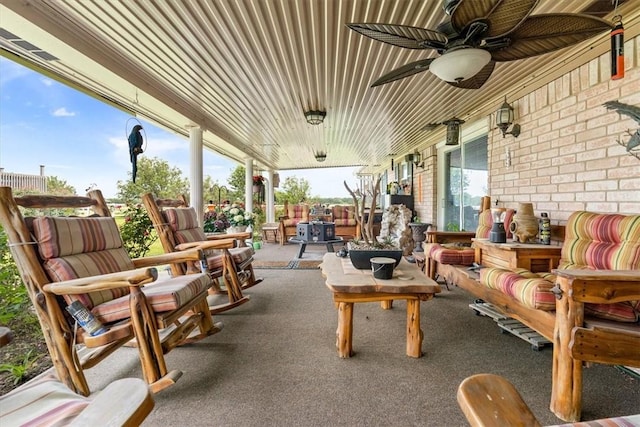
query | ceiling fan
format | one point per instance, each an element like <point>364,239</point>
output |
<point>480,33</point>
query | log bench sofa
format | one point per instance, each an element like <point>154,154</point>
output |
<point>588,307</point>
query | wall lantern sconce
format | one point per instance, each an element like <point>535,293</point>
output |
<point>504,119</point>
<point>315,117</point>
<point>320,156</point>
<point>415,158</point>
<point>453,130</point>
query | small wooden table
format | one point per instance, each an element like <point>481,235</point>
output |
<point>536,258</point>
<point>303,244</point>
<point>350,285</point>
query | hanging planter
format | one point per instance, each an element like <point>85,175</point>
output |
<point>258,183</point>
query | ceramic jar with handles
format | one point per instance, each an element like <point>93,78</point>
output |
<point>524,225</point>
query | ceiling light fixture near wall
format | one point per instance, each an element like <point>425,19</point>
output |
<point>415,158</point>
<point>453,130</point>
<point>504,119</point>
<point>315,117</point>
<point>321,156</point>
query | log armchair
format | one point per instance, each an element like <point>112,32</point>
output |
<point>67,259</point>
<point>46,401</point>
<point>227,257</point>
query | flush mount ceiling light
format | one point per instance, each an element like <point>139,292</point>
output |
<point>460,64</point>
<point>321,156</point>
<point>315,117</point>
<point>504,119</point>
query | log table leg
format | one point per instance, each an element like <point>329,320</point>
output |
<point>345,330</point>
<point>414,334</point>
<point>387,304</point>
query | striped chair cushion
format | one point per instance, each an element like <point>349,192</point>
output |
<point>80,247</point>
<point>238,255</point>
<point>296,214</point>
<point>450,254</point>
<point>601,242</point>
<point>163,296</point>
<point>522,285</point>
<point>485,222</point>
<point>184,224</point>
<point>44,401</point>
<point>626,421</point>
<point>344,215</point>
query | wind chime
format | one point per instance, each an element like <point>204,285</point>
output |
<point>617,47</point>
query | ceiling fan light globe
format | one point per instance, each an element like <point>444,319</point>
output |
<point>460,64</point>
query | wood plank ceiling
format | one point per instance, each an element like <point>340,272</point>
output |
<point>247,70</point>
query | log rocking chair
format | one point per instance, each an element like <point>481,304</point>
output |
<point>177,226</point>
<point>66,259</point>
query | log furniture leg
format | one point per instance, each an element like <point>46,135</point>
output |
<point>345,330</point>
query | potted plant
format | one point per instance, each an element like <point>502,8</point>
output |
<point>215,222</point>
<point>362,249</point>
<point>239,218</point>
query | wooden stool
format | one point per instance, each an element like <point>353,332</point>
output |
<point>270,232</point>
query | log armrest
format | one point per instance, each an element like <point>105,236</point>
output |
<point>597,286</point>
<point>194,254</point>
<point>227,243</point>
<point>103,282</point>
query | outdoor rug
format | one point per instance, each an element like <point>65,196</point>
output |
<point>294,264</point>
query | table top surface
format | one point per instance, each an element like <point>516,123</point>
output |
<point>342,276</point>
<point>315,242</point>
<point>516,245</point>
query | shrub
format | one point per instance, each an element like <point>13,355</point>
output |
<point>137,231</point>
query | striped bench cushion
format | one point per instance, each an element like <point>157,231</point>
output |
<point>534,291</point>
<point>626,421</point>
<point>163,296</point>
<point>80,247</point>
<point>44,401</point>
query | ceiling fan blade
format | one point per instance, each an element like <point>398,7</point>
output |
<point>541,34</point>
<point>404,71</point>
<point>502,16</point>
<point>478,80</point>
<point>402,35</point>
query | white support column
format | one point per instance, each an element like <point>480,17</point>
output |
<point>195,171</point>
<point>271,212</point>
<point>248,184</point>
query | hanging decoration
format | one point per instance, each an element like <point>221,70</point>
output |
<point>633,144</point>
<point>136,142</point>
<point>617,49</point>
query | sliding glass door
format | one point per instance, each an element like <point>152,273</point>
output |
<point>465,181</point>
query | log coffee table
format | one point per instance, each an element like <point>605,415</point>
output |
<point>350,286</point>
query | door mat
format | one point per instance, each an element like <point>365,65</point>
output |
<point>296,264</point>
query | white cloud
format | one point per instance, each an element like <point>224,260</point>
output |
<point>47,82</point>
<point>62,112</point>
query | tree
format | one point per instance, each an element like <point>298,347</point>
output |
<point>59,187</point>
<point>154,176</point>
<point>236,183</point>
<point>294,191</point>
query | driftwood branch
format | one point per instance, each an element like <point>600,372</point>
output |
<point>358,196</point>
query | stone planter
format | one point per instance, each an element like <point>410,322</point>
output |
<point>418,229</point>
<point>360,258</point>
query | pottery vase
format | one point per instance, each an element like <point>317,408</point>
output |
<point>237,229</point>
<point>524,225</point>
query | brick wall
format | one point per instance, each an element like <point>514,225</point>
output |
<point>567,157</point>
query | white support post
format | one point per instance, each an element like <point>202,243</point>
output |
<point>271,212</point>
<point>248,184</point>
<point>195,171</point>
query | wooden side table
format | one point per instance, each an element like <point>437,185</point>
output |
<point>534,257</point>
<point>270,232</point>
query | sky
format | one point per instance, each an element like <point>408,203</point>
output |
<point>83,141</point>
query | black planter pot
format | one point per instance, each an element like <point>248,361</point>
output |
<point>360,258</point>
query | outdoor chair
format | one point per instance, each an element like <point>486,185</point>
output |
<point>227,256</point>
<point>62,260</point>
<point>46,401</point>
<point>489,400</point>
